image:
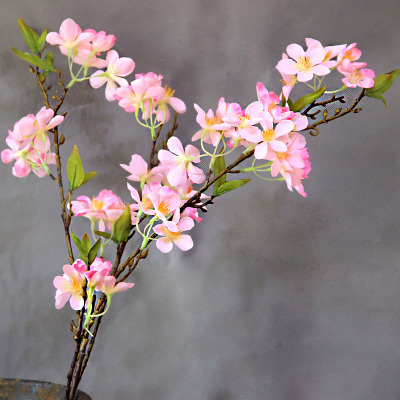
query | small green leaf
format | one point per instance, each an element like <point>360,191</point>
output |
<point>382,83</point>
<point>32,59</point>
<point>41,39</point>
<point>49,58</point>
<point>29,35</point>
<point>231,185</point>
<point>86,243</point>
<point>219,166</point>
<point>379,97</point>
<point>75,170</point>
<point>307,99</point>
<point>290,104</point>
<point>105,235</point>
<point>81,247</point>
<point>88,176</point>
<point>122,227</point>
<point>93,252</point>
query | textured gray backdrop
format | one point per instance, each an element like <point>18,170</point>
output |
<point>282,298</point>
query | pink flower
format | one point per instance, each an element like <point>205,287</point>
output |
<point>139,171</point>
<point>270,137</point>
<point>101,41</point>
<point>109,288</point>
<point>350,53</point>
<point>117,67</point>
<point>304,64</point>
<point>27,157</point>
<point>288,80</point>
<point>70,37</point>
<point>355,75</point>
<point>69,287</point>
<point>144,88</point>
<point>330,52</point>
<point>99,269</point>
<point>212,125</point>
<point>157,200</point>
<point>172,235</point>
<point>106,208</point>
<point>180,163</point>
<point>32,126</point>
<point>162,111</point>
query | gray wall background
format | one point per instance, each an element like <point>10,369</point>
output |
<point>282,298</point>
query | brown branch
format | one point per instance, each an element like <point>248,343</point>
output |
<point>313,128</point>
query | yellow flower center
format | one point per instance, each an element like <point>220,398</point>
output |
<point>268,135</point>
<point>163,207</point>
<point>304,63</point>
<point>76,285</point>
<point>170,235</point>
<point>210,120</point>
<point>97,204</point>
<point>328,56</point>
<point>146,202</point>
<point>168,92</point>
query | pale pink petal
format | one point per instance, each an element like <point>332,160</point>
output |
<point>177,176</point>
<point>21,168</point>
<point>164,244</point>
<point>54,38</point>
<point>185,224</point>
<point>184,242</point>
<point>261,151</point>
<point>55,121</point>
<point>69,29</point>
<point>295,51</point>
<point>283,127</point>
<point>304,76</point>
<point>76,302</point>
<point>178,105</point>
<point>287,66</point>
<point>122,286</point>
<point>96,81</point>
<point>196,174</point>
<point>166,157</point>
<point>62,284</point>
<point>61,299</point>
<point>321,70</point>
<point>7,156</point>
<point>277,145</point>
<point>316,54</point>
<point>110,90</point>
<point>124,66</point>
<point>175,146</point>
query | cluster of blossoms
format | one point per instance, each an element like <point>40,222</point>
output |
<point>97,278</point>
<point>30,145</point>
<point>265,126</point>
<point>318,61</point>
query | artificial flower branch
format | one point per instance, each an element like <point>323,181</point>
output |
<point>166,203</point>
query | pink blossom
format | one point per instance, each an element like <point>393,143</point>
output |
<point>270,137</point>
<point>27,157</point>
<point>162,111</point>
<point>180,163</point>
<point>101,41</point>
<point>212,124</point>
<point>350,53</point>
<point>69,287</point>
<point>99,269</point>
<point>139,171</point>
<point>330,52</point>
<point>106,208</point>
<point>355,75</point>
<point>109,288</point>
<point>144,88</point>
<point>32,126</point>
<point>157,200</point>
<point>288,80</point>
<point>70,37</point>
<point>172,235</point>
<point>87,58</point>
<point>116,69</point>
<point>304,64</point>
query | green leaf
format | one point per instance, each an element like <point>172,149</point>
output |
<point>32,59</point>
<point>219,166</point>
<point>383,83</point>
<point>290,104</point>
<point>122,227</point>
<point>75,170</point>
<point>304,101</point>
<point>231,185</point>
<point>86,243</point>
<point>41,39</point>
<point>379,97</point>
<point>93,252</point>
<point>105,235</point>
<point>81,247</point>
<point>49,58</point>
<point>29,35</point>
<point>88,176</point>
